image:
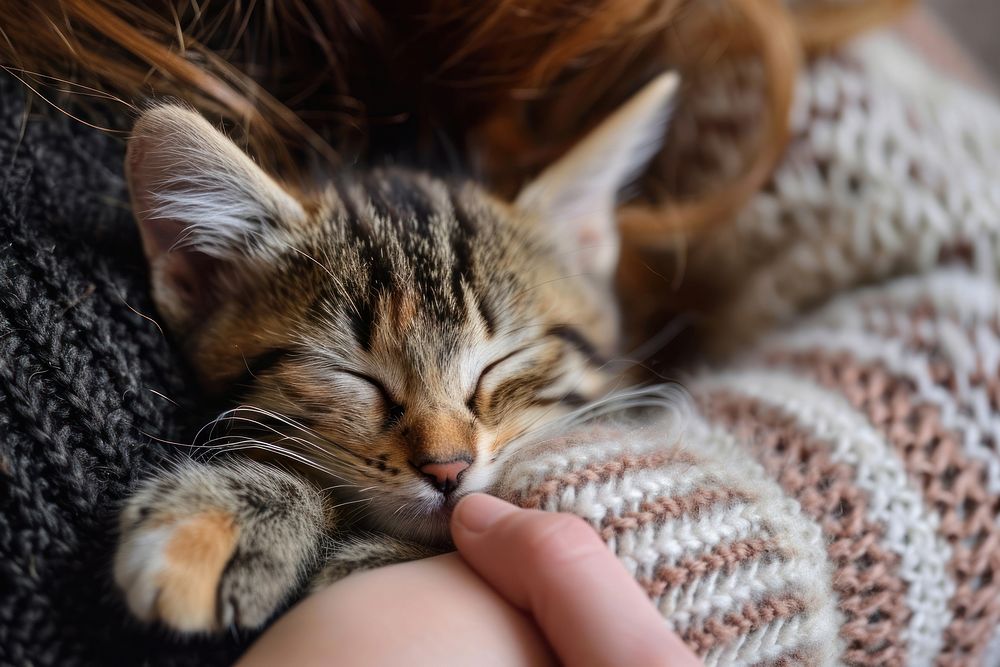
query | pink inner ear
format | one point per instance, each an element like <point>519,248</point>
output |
<point>143,174</point>
<point>184,276</point>
<point>160,237</point>
<point>193,278</point>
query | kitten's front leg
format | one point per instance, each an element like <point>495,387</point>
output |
<point>367,551</point>
<point>207,547</point>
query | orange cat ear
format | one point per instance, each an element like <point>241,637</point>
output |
<point>575,197</point>
<point>202,206</point>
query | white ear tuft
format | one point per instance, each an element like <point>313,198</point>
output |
<point>200,202</point>
<point>192,187</point>
<point>576,196</point>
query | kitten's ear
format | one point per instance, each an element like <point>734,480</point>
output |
<point>576,196</point>
<point>203,207</point>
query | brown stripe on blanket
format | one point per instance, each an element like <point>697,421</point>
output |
<point>724,558</point>
<point>867,581</point>
<point>754,615</point>
<point>665,508</point>
<point>911,328</point>
<point>795,658</point>
<point>953,485</point>
<point>602,471</point>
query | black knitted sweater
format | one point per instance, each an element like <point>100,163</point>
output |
<point>88,387</point>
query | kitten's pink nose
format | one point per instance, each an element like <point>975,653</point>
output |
<point>444,476</point>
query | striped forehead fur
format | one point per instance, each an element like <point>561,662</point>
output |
<point>445,246</point>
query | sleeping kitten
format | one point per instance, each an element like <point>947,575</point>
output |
<point>388,338</point>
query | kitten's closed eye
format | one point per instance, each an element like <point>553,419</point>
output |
<point>391,407</point>
<point>490,375</point>
<point>553,369</point>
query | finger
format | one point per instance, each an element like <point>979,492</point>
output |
<point>555,566</point>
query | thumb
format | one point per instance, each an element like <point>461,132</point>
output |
<point>555,567</point>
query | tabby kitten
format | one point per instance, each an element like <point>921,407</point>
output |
<point>390,337</point>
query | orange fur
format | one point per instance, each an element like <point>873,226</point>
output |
<point>195,558</point>
<point>441,436</point>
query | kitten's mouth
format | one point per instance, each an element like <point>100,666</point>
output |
<point>437,518</point>
<point>425,515</point>
<point>451,500</point>
<point>430,526</point>
<point>444,506</point>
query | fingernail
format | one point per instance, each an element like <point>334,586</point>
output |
<point>478,511</point>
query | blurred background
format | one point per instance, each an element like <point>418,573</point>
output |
<point>975,25</point>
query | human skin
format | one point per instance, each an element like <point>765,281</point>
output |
<point>525,588</point>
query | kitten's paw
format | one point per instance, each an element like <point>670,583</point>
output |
<point>208,548</point>
<point>171,568</point>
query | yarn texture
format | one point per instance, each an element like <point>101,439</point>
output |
<point>89,386</point>
<point>830,494</point>
<point>827,495</point>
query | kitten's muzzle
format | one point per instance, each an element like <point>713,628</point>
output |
<point>445,476</point>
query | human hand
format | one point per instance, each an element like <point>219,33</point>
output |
<point>555,567</point>
<point>526,585</point>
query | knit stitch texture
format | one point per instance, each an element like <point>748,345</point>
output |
<point>87,385</point>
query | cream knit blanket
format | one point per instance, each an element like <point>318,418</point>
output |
<point>832,496</point>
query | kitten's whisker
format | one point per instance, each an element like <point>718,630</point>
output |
<point>347,503</point>
<point>644,351</point>
<point>617,398</point>
<point>284,419</point>
<point>163,396</point>
<point>535,422</point>
<point>164,441</point>
<point>323,452</point>
<point>250,444</point>
<point>267,427</point>
<point>654,396</point>
<point>282,437</point>
<point>338,486</point>
<point>210,426</point>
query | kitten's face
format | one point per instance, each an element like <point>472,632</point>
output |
<point>395,333</point>
<point>413,329</point>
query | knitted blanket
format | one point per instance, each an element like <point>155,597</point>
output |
<point>830,494</point>
<point>88,385</point>
<point>834,492</point>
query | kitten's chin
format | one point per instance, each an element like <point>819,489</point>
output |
<point>420,514</point>
<point>424,520</point>
<point>430,527</point>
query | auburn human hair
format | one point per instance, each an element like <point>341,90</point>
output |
<point>496,87</point>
